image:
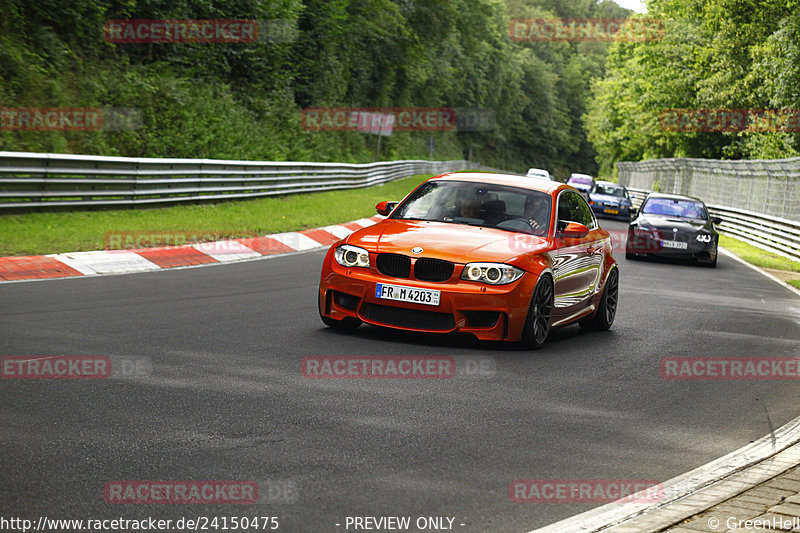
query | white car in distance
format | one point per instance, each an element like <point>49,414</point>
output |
<point>539,173</point>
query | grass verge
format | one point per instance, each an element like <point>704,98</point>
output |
<point>761,258</point>
<point>47,233</point>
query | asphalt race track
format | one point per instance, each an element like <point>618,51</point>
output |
<point>223,397</point>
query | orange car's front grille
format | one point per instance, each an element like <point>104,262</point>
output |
<point>425,269</point>
<point>394,265</point>
<point>433,269</point>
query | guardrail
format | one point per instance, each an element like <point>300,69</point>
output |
<point>34,181</point>
<point>773,234</point>
<point>637,196</point>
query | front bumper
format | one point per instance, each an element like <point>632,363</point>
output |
<point>485,311</point>
<point>649,245</point>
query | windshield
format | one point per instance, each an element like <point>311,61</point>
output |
<point>610,190</point>
<point>478,204</point>
<point>675,208</point>
<point>581,180</point>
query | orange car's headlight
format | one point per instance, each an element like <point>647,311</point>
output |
<point>491,273</point>
<point>351,256</point>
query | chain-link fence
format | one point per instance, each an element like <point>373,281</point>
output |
<point>771,187</point>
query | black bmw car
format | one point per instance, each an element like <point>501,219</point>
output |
<point>670,225</point>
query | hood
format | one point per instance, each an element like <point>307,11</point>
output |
<point>458,243</point>
<point>668,222</point>
<point>609,199</point>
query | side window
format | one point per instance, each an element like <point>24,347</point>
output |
<point>583,212</point>
<point>565,207</point>
<point>572,208</point>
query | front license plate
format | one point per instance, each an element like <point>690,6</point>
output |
<point>612,211</point>
<point>407,294</point>
<point>675,244</point>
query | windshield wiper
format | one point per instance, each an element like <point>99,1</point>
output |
<point>465,223</point>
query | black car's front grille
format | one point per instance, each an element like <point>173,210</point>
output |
<point>433,270</point>
<point>669,235</point>
<point>394,265</point>
<point>408,318</point>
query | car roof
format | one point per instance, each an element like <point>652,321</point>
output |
<point>579,175</point>
<point>511,180</point>
<point>609,184</point>
<point>670,196</point>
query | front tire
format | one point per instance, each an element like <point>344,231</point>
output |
<point>713,262</point>
<point>607,310</point>
<point>630,245</point>
<point>540,315</point>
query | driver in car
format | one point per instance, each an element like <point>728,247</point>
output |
<point>471,208</point>
<point>537,212</point>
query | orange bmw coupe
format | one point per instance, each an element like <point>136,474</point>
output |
<point>499,256</point>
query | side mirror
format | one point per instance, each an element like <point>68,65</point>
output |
<point>716,221</point>
<point>634,212</point>
<point>574,229</point>
<point>384,208</point>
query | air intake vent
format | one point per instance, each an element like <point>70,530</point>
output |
<point>482,319</point>
<point>408,318</point>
